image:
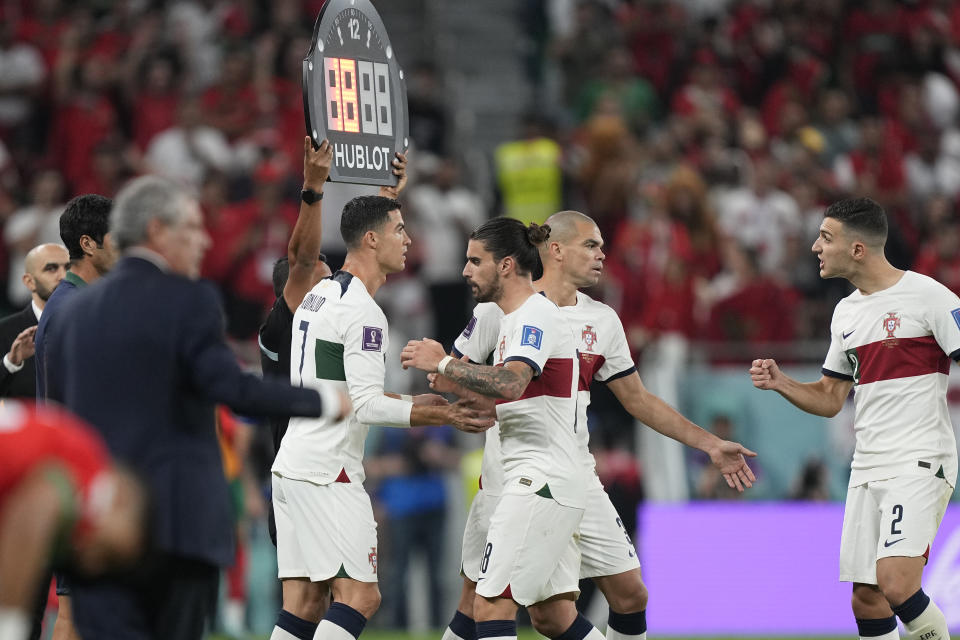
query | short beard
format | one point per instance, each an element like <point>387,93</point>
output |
<point>492,294</point>
<point>43,293</point>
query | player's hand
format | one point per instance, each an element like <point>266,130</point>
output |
<point>23,347</point>
<point>423,354</point>
<point>430,400</point>
<point>316,163</point>
<point>399,170</point>
<point>346,406</point>
<point>727,457</point>
<point>765,374</point>
<point>466,416</point>
<point>485,404</point>
<point>443,384</point>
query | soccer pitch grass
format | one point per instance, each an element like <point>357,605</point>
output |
<point>527,634</point>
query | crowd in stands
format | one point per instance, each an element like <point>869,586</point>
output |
<point>708,138</point>
<point>705,142</point>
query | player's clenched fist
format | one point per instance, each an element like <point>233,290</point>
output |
<point>423,354</point>
<point>765,374</point>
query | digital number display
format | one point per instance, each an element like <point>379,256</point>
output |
<point>354,92</point>
<point>358,96</point>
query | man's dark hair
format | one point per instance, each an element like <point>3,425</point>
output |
<point>505,237</point>
<point>281,271</point>
<point>362,214</point>
<point>86,215</point>
<point>862,216</point>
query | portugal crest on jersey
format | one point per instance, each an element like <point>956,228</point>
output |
<point>589,337</point>
<point>891,323</point>
<point>372,557</point>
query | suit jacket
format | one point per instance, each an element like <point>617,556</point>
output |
<point>49,324</point>
<point>147,363</point>
<point>23,383</point>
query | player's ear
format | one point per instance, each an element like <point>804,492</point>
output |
<point>858,250</point>
<point>87,244</point>
<point>556,250</point>
<point>27,280</point>
<point>506,265</point>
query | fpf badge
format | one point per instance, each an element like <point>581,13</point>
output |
<point>354,93</point>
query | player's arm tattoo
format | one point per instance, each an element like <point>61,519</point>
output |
<point>497,382</point>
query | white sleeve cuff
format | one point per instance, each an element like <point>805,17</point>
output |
<point>12,368</point>
<point>384,411</point>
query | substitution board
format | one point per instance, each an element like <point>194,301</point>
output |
<point>354,93</point>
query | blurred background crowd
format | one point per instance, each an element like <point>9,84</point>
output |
<point>705,137</point>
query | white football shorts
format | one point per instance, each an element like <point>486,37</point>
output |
<point>886,518</point>
<point>605,546</point>
<point>531,552</point>
<point>324,531</point>
<point>475,533</point>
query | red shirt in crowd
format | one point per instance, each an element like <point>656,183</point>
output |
<point>246,243</point>
<point>653,268</point>
<point>760,311</point>
<point>80,125</point>
<point>232,110</point>
<point>153,113</point>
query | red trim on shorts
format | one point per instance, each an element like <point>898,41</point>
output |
<point>926,554</point>
<point>480,481</point>
<point>343,476</point>
<point>901,358</point>
<point>507,593</point>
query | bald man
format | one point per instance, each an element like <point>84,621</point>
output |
<point>44,268</point>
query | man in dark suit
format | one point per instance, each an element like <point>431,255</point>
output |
<point>44,268</point>
<point>148,362</point>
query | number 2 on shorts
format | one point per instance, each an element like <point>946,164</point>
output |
<point>898,512</point>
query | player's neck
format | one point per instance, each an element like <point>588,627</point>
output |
<point>515,293</point>
<point>85,270</point>
<point>876,278</point>
<point>561,292</point>
<point>368,271</point>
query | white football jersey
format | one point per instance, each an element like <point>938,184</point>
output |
<point>477,342</point>
<point>339,337</point>
<point>896,345</point>
<point>604,355</point>
<point>539,440</point>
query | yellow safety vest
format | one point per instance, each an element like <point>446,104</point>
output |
<point>528,172</point>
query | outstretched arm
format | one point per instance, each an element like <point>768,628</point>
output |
<point>307,237</point>
<point>825,397</point>
<point>443,384</point>
<point>661,417</point>
<point>507,382</point>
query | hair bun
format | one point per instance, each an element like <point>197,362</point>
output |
<point>538,233</point>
